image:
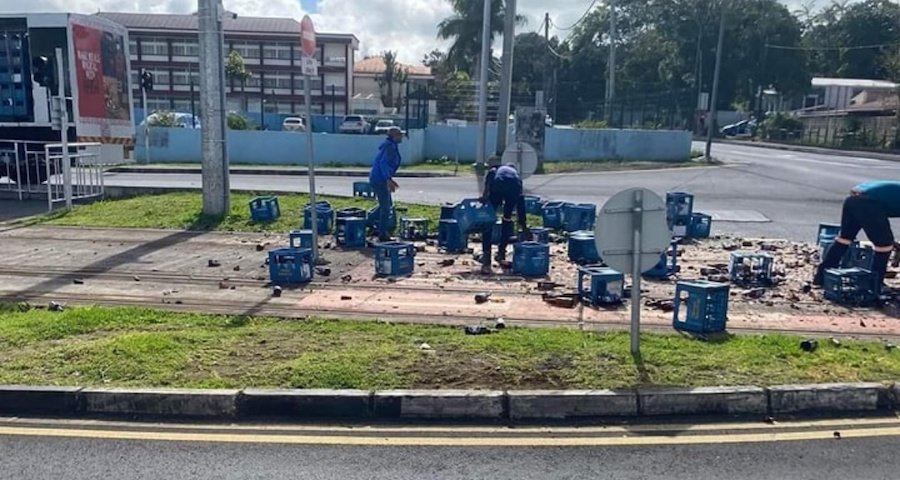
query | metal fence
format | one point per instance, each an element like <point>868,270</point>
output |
<point>22,163</point>
<point>40,169</point>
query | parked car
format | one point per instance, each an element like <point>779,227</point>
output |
<point>293,124</point>
<point>744,128</point>
<point>382,126</point>
<point>354,124</point>
<point>182,120</point>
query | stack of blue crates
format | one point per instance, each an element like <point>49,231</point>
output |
<point>553,214</point>
<point>579,216</point>
<point>350,232</point>
<point>290,266</point>
<point>858,256</point>
<point>583,248</point>
<point>264,209</point>
<point>751,269</point>
<point>414,228</point>
<point>540,234</point>
<point>474,216</point>
<point>394,259</point>
<point>531,259</point>
<point>533,204</point>
<point>679,210</point>
<point>350,212</point>
<point>363,189</point>
<point>701,225</point>
<point>299,239</point>
<point>450,238</point>
<point>851,287</point>
<point>604,286</point>
<point>701,307</point>
<point>667,266</point>
<point>324,217</point>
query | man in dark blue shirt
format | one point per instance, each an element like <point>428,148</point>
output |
<point>381,178</point>
<point>869,207</point>
<point>503,190</point>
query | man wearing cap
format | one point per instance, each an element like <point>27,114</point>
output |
<point>381,178</point>
<point>869,207</point>
<point>503,190</point>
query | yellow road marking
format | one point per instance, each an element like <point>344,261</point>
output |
<point>445,441</point>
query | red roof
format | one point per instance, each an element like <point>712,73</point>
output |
<point>375,65</point>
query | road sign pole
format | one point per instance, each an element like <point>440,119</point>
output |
<point>147,123</point>
<point>63,129</point>
<point>636,273</point>
<point>312,169</point>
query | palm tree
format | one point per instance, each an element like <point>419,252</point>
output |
<point>235,69</point>
<point>464,28</point>
<point>394,73</point>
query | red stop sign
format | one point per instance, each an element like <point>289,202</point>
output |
<point>308,36</point>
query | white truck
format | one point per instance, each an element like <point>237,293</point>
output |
<point>96,68</point>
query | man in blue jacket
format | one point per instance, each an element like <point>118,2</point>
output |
<point>869,207</point>
<point>384,167</point>
<point>503,190</point>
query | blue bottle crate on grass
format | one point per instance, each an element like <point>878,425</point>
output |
<point>290,266</point>
<point>350,212</point>
<point>474,216</point>
<point>448,211</point>
<point>701,225</point>
<point>394,259</point>
<point>600,285</point>
<point>850,287</point>
<point>553,214</point>
<point>414,228</point>
<point>540,234</point>
<point>579,216</point>
<point>450,238</point>
<point>324,217</point>
<point>264,209</point>
<point>372,219</point>
<point>701,307</point>
<point>531,259</point>
<point>350,232</point>
<point>751,269</point>
<point>533,204</point>
<point>298,239</point>
<point>583,248</point>
<point>667,266</point>
<point>679,209</point>
<point>363,189</point>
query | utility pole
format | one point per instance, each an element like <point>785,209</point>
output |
<point>482,89</point>
<point>509,35</point>
<point>214,151</point>
<point>611,64</point>
<point>711,116</point>
<point>548,60</point>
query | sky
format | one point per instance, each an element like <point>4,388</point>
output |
<point>406,26</point>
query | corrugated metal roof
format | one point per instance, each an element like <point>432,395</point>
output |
<point>376,65</point>
<point>852,83</point>
<point>264,25</point>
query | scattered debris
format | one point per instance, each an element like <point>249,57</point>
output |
<point>755,293</point>
<point>500,324</point>
<point>420,248</point>
<point>807,288</point>
<point>136,278</point>
<point>545,286</point>
<point>769,419</point>
<point>746,243</point>
<point>730,247</point>
<point>564,300</point>
<point>447,262</point>
<point>223,286</point>
<point>323,271</point>
<point>261,246</point>
<point>328,246</point>
<point>835,342</point>
<point>809,345</point>
<point>837,435</point>
<point>768,247</point>
<point>56,307</point>
<point>889,346</point>
<point>482,297</point>
<point>862,324</point>
<point>425,346</point>
<point>346,297</point>
<point>237,268</point>
<point>276,291</point>
<point>478,330</point>
<point>346,278</point>
<point>212,263</point>
<point>78,281</point>
<point>663,305</point>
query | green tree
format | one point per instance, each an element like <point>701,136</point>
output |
<point>464,29</point>
<point>236,70</point>
<point>394,73</point>
<point>163,118</point>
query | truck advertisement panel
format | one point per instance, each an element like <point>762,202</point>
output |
<point>102,90</point>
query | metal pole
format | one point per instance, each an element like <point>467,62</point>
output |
<point>312,169</point>
<point>637,221</point>
<point>146,125</point>
<point>215,162</point>
<point>547,59</point>
<point>482,88</point>
<point>193,111</point>
<point>713,111</point>
<point>611,64</point>
<point>333,120</point>
<point>406,102</point>
<point>64,128</point>
<point>509,35</point>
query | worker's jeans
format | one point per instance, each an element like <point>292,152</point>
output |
<point>506,197</point>
<point>385,205</point>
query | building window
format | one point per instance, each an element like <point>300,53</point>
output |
<point>316,84</point>
<point>269,81</point>
<point>298,83</point>
<point>277,51</point>
<point>282,80</point>
<point>253,82</point>
<point>247,50</point>
<point>133,48</point>
<point>185,48</point>
<point>298,54</point>
<point>184,77</point>
<point>158,104</point>
<point>154,46</point>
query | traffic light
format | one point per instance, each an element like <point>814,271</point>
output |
<point>146,80</point>
<point>42,72</point>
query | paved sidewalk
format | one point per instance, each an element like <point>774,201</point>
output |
<point>275,170</point>
<point>170,269</point>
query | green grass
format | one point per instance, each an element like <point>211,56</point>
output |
<point>140,347</point>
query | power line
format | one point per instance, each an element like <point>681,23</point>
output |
<point>583,16</point>
<point>857,47</point>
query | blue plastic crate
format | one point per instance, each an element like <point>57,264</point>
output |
<point>667,265</point>
<point>394,259</point>
<point>450,238</point>
<point>474,216</point>
<point>363,189</point>
<point>533,204</point>
<point>701,226</point>
<point>350,232</point>
<point>264,209</point>
<point>531,259</point>
<point>448,211</point>
<point>583,248</point>
<point>850,287</point>
<point>679,209</point>
<point>350,212</point>
<point>414,228</point>
<point>290,266</point>
<point>600,285</point>
<point>579,216</point>
<point>751,269</point>
<point>701,307</point>
<point>540,234</point>
<point>858,256</point>
<point>372,219</point>
<point>324,217</point>
<point>298,239</point>
<point>553,214</point>
<point>827,233</point>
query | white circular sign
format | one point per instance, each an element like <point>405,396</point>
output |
<point>523,156</point>
<point>615,228</point>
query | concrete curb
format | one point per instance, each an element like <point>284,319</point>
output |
<point>473,405</point>
<point>324,172</point>
<point>815,150</point>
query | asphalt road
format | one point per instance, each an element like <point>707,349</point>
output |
<point>39,456</point>
<point>760,192</point>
